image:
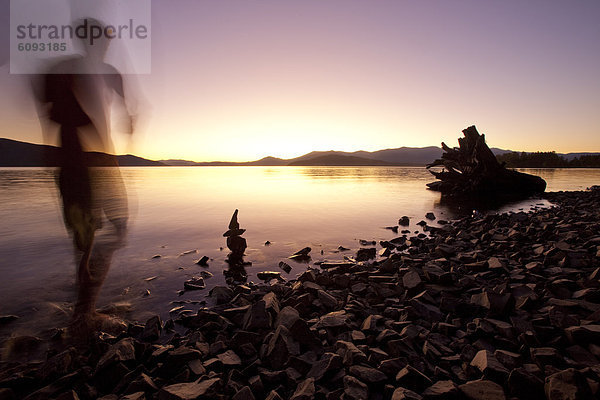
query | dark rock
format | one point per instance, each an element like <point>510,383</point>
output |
<point>327,300</point>
<point>221,294</point>
<point>142,383</point>
<point>509,359</point>
<point>122,351</point>
<point>411,280</point>
<point>233,223</point>
<point>442,390</point>
<point>195,283</point>
<point>286,267</point>
<point>69,395</point>
<point>280,347</point>
<point>273,395</point>
<point>152,329</point>
<point>413,379</point>
<point>203,261</point>
<point>7,394</point>
<point>366,254</point>
<point>257,317</point>
<point>305,390</point>
<point>335,319</point>
<point>350,354</point>
<point>369,375</point>
<point>268,275</point>
<point>568,384</point>
<point>482,390</point>
<point>189,391</point>
<point>59,365</point>
<point>430,216</point>
<point>327,366</point>
<point>134,396</point>
<point>243,394</point>
<point>583,334</point>
<point>355,389</point>
<point>5,319</point>
<point>524,384</point>
<point>546,356</point>
<point>229,359</point>
<point>404,221</point>
<point>498,304</point>
<point>301,255</point>
<point>236,244</point>
<point>491,368</point>
<point>405,394</point>
<point>234,232</point>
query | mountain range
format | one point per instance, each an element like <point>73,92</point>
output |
<point>21,154</point>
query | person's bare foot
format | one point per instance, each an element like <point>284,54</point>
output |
<point>84,325</point>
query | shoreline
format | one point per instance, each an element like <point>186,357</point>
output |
<point>510,298</point>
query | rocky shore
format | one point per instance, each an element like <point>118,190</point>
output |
<point>484,307</point>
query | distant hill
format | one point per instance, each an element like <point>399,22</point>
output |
<point>338,160</point>
<point>20,154</point>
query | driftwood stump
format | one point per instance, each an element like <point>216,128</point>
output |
<point>472,171</point>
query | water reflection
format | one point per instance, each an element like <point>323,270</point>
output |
<point>361,173</point>
<point>188,208</point>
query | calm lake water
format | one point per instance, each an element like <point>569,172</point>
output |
<point>177,209</point>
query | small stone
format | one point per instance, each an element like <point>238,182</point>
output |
<point>350,354</point>
<point>327,300</point>
<point>305,390</point>
<point>404,221</point>
<point>525,384</point>
<point>430,216</point>
<point>405,394</point>
<point>482,390</point>
<point>546,356</point>
<point>366,254</point>
<point>286,267</point>
<point>367,374</point>
<point>142,383</point>
<point>122,351</point>
<point>273,395</point>
<point>411,280</point>
<point>196,283</point>
<point>567,385</point>
<point>189,391</point>
<point>494,263</point>
<point>280,347</point>
<point>229,359</point>
<point>243,394</point>
<point>441,390</point>
<point>268,275</point>
<point>257,317</point>
<point>303,254</point>
<point>152,329</point>
<point>485,361</point>
<point>203,261</point>
<point>355,389</point>
<point>5,319</point>
<point>412,378</point>
<point>234,232</point>
<point>328,365</point>
<point>233,223</point>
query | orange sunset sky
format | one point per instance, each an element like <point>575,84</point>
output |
<point>240,80</point>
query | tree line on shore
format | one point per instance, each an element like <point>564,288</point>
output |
<point>547,159</point>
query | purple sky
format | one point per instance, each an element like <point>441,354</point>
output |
<point>239,80</point>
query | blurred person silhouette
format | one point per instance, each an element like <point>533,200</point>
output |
<point>76,95</point>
